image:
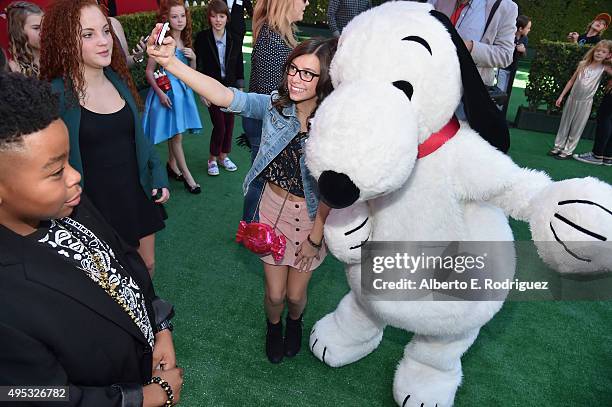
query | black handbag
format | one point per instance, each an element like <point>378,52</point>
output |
<point>498,96</point>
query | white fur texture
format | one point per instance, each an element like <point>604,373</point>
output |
<point>595,197</point>
<point>355,220</point>
<point>369,130</point>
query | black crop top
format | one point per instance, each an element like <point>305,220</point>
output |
<point>284,170</point>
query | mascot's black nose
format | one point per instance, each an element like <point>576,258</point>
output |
<point>337,190</point>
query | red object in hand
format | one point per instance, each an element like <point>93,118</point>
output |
<point>261,239</point>
<point>164,83</point>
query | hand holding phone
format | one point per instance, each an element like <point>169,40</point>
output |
<point>138,52</point>
<point>160,37</point>
<point>160,49</point>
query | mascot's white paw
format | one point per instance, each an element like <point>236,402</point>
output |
<point>346,230</point>
<point>336,347</point>
<point>571,224</point>
<point>419,385</point>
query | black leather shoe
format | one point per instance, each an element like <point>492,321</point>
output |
<point>172,174</point>
<point>192,190</point>
<point>293,336</point>
<point>274,342</point>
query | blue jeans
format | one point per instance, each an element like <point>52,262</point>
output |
<point>252,129</point>
<point>250,212</point>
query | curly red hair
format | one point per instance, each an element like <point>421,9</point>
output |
<point>60,55</point>
<point>163,16</point>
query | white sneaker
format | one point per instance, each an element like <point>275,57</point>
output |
<point>588,158</point>
<point>213,169</point>
<point>228,164</point>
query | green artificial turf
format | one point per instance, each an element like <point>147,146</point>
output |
<point>530,354</point>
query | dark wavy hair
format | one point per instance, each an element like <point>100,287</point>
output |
<point>324,49</point>
<point>28,103</point>
<point>60,55</point>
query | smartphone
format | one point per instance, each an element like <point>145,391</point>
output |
<point>162,34</point>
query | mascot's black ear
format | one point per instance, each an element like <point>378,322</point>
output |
<point>481,112</point>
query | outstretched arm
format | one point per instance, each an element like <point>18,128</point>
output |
<point>570,220</point>
<point>210,88</point>
<point>490,175</point>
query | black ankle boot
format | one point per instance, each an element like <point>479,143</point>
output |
<point>293,336</point>
<point>274,342</point>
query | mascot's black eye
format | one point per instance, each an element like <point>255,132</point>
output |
<point>405,87</point>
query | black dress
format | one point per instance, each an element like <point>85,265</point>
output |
<point>108,151</point>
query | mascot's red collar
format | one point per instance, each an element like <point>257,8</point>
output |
<point>436,140</point>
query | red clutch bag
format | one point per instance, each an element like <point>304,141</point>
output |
<point>162,81</point>
<point>261,239</point>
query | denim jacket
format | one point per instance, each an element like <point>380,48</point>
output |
<point>278,130</point>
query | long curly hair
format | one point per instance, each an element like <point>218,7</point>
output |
<point>163,15</point>
<point>17,12</point>
<point>324,50</point>
<point>61,44</point>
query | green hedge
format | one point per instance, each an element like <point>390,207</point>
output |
<point>553,65</point>
<point>316,12</point>
<point>553,19</point>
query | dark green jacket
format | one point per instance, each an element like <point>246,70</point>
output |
<point>150,171</point>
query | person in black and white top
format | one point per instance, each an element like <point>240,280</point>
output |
<point>92,321</point>
<point>340,12</point>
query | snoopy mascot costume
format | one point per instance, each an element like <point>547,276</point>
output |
<point>395,164</point>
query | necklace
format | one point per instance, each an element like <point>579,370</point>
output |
<point>103,280</point>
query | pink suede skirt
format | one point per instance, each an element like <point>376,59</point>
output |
<point>294,224</point>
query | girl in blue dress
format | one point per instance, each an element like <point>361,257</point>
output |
<point>168,115</point>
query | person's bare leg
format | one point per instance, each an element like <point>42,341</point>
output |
<point>179,155</point>
<point>275,291</point>
<point>147,252</point>
<point>297,292</point>
<point>172,160</point>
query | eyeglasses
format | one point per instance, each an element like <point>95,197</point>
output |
<point>305,75</point>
